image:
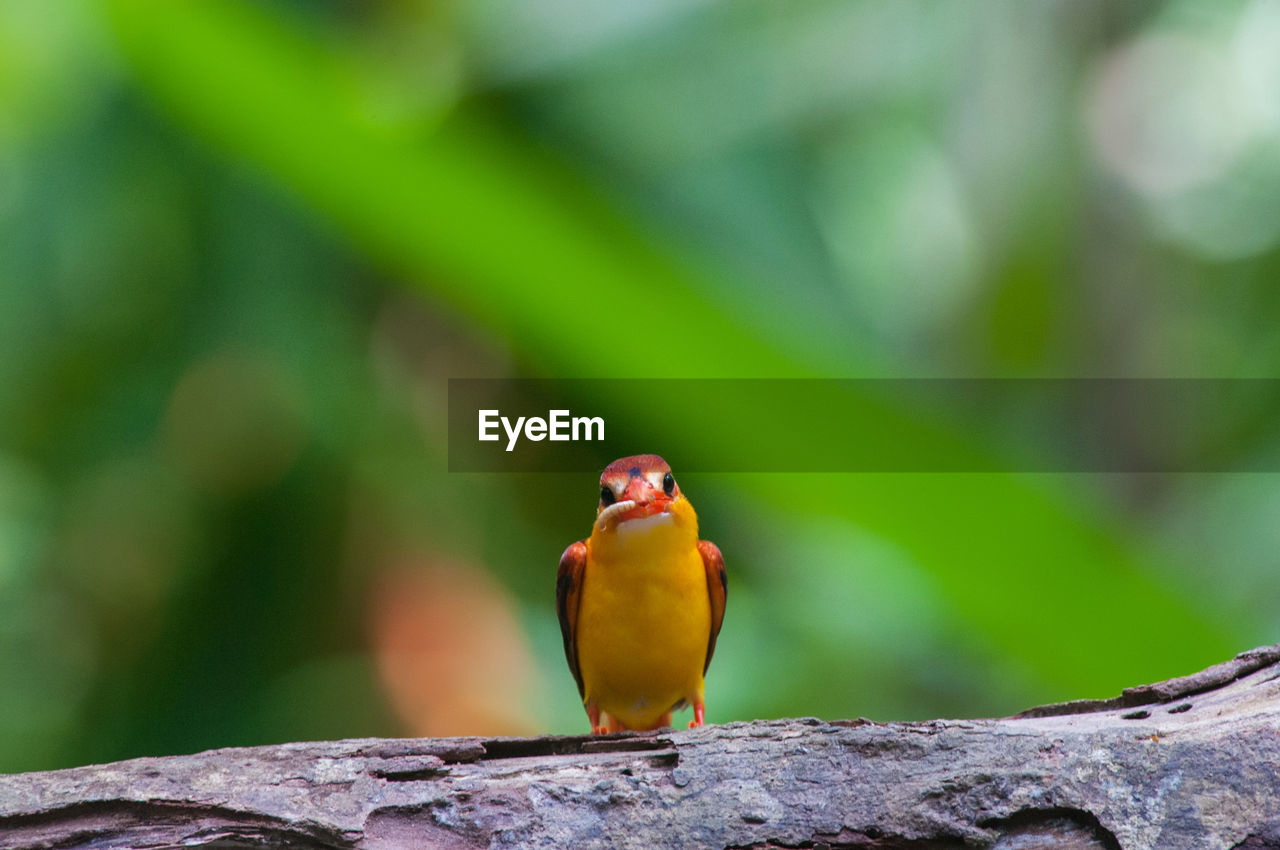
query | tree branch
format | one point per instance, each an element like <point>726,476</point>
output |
<point>1188,763</point>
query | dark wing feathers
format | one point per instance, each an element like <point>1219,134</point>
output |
<point>568,595</point>
<point>717,589</point>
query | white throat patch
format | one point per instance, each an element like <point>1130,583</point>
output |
<point>629,527</point>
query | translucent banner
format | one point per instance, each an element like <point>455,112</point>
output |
<point>926,425</point>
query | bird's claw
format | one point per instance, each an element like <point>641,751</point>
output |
<point>593,717</point>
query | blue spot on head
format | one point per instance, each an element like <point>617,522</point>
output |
<point>634,472</point>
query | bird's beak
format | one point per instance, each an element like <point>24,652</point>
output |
<point>640,500</point>
<point>639,491</point>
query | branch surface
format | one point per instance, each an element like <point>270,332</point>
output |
<point>1188,763</point>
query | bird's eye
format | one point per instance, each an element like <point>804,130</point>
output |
<point>668,484</point>
<point>606,495</point>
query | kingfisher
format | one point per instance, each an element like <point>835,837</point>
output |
<point>641,601</point>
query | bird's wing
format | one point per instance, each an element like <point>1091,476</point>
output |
<point>717,590</point>
<point>568,594</point>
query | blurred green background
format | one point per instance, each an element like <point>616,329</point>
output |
<point>244,245</point>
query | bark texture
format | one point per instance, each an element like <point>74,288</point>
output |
<point>1188,763</point>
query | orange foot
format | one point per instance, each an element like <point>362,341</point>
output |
<point>593,717</point>
<point>698,711</point>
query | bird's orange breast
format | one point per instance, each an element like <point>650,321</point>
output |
<point>645,618</point>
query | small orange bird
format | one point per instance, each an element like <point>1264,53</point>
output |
<point>640,601</point>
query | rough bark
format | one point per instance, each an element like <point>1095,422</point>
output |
<point>1188,763</point>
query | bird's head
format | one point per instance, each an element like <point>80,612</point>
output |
<point>637,488</point>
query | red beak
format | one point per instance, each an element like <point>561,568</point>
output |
<point>649,501</point>
<point>638,490</point>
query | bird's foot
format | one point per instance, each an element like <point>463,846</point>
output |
<point>593,717</point>
<point>699,710</point>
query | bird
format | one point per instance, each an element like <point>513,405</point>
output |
<point>641,601</point>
